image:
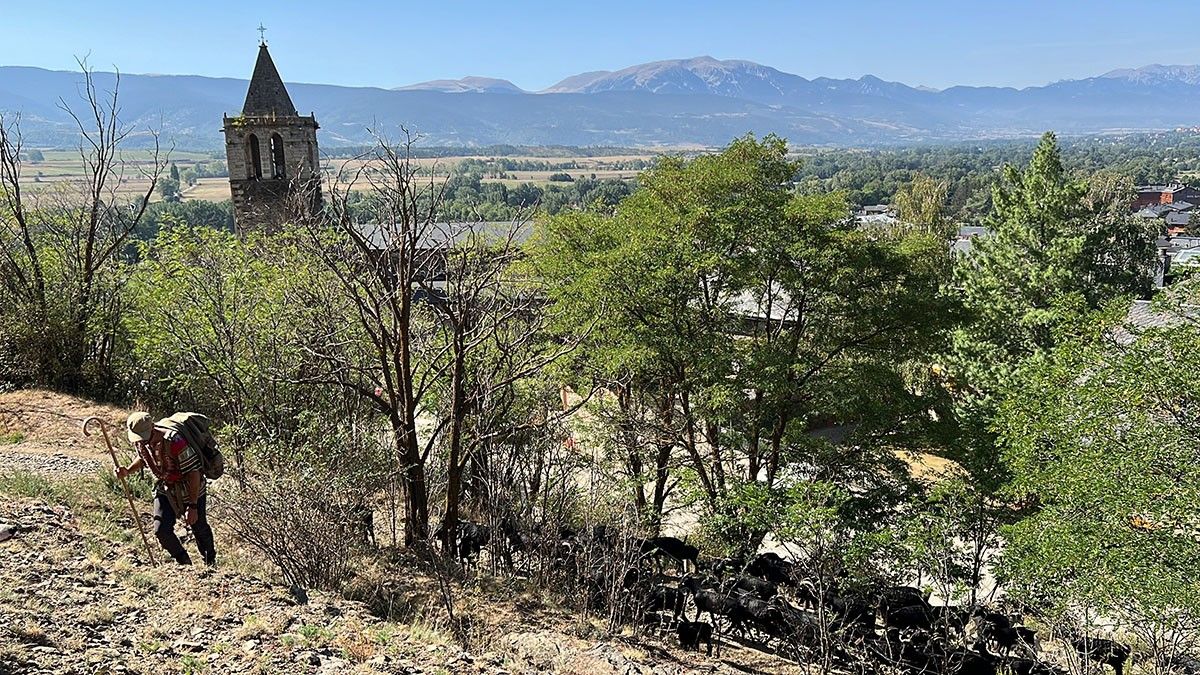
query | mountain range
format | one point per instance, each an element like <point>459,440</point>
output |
<point>687,102</point>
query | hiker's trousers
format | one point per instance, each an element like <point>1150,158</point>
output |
<point>164,529</point>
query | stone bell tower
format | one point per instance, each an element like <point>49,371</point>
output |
<point>274,168</point>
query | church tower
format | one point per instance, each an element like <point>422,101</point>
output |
<point>274,168</point>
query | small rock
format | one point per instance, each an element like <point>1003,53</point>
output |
<point>7,532</point>
<point>333,666</point>
<point>250,645</point>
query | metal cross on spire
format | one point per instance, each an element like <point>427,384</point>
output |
<point>262,34</point>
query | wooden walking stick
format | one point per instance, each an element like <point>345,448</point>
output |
<point>124,486</point>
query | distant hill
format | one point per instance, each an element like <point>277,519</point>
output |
<point>479,85</point>
<point>698,101</point>
<point>1158,74</point>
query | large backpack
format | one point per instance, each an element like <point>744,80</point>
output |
<point>194,429</point>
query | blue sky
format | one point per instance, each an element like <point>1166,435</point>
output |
<point>352,42</point>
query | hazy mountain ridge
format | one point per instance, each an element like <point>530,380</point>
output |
<point>698,101</point>
<point>471,83</point>
<point>1158,73</point>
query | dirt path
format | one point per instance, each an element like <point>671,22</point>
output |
<point>37,421</point>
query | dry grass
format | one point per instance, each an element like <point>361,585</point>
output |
<point>356,644</point>
<point>32,633</point>
<point>62,167</point>
<point>94,616</point>
<point>926,467</point>
<point>207,190</point>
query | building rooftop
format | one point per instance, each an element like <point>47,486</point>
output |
<point>1173,187</point>
<point>442,235</point>
<point>266,95</point>
<point>1147,315</point>
<point>1181,219</point>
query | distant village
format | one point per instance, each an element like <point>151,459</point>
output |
<point>1175,205</point>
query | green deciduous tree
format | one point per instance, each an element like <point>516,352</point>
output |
<point>168,189</point>
<point>63,260</point>
<point>737,319</point>
<point>1101,437</point>
<point>214,329</point>
<point>922,203</point>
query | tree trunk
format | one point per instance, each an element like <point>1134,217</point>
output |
<point>454,465</point>
<point>416,496</point>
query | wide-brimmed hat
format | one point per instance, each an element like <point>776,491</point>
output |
<point>139,425</point>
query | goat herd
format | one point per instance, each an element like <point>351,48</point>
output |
<point>767,602</point>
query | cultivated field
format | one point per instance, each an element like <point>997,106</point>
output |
<point>60,168</point>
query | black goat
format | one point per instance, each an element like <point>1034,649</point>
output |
<point>906,618</point>
<point>362,520</point>
<point>1000,630</point>
<point>516,540</point>
<point>1186,664</point>
<point>692,633</point>
<point>670,547</point>
<point>803,627</point>
<point>763,616</point>
<point>1032,667</point>
<point>725,567</point>
<point>853,613</point>
<point>913,656</point>
<point>895,597</point>
<point>470,540</point>
<point>967,662</point>
<point>953,617</point>
<point>663,598</point>
<point>771,567</point>
<point>1007,639</point>
<point>764,590</point>
<point>1104,651</point>
<point>604,536</point>
<point>989,620</point>
<point>717,603</point>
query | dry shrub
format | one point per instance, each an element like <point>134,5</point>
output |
<point>303,524</point>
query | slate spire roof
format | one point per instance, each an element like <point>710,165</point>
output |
<point>267,95</point>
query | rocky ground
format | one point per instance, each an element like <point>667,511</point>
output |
<point>78,595</point>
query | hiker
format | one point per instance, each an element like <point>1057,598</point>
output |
<point>181,486</point>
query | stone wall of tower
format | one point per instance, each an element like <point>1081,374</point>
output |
<point>260,199</point>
